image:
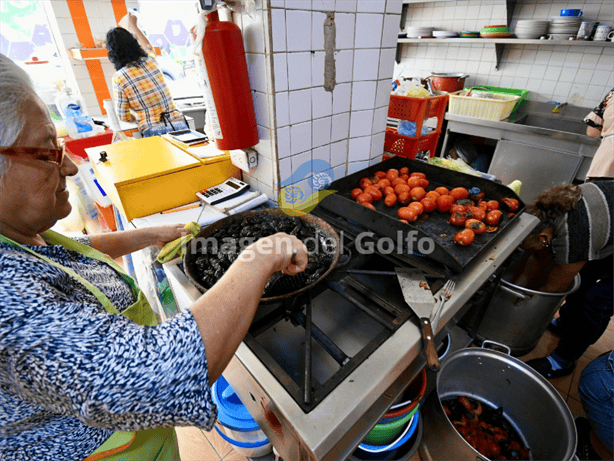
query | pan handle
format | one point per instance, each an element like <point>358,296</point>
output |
<point>428,340</point>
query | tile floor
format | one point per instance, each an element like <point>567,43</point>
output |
<point>198,445</point>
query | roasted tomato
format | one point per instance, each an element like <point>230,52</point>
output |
<point>413,182</point>
<point>493,217</point>
<point>465,202</point>
<point>444,203</point>
<point>388,190</point>
<point>460,208</point>
<point>364,198</point>
<point>477,213</point>
<point>407,214</point>
<point>355,193</point>
<point>483,205</point>
<point>390,200</point>
<point>424,183</point>
<point>458,219</point>
<point>417,193</point>
<point>478,227</point>
<point>511,203</point>
<point>417,174</point>
<point>400,188</point>
<point>459,193</point>
<point>374,192</point>
<point>380,174</point>
<point>464,237</point>
<point>383,183</point>
<point>433,195</point>
<point>368,205</point>
<point>404,198</point>
<point>417,207</point>
<point>492,205</point>
<point>392,174</point>
<point>398,181</point>
<point>365,182</point>
<point>404,170</point>
<point>442,190</point>
<point>429,204</point>
<point>404,177</point>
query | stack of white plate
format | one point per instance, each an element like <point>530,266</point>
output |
<point>416,32</point>
<point>444,34</point>
<point>531,28</point>
<point>567,25</point>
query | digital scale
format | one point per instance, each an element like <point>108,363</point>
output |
<point>230,188</point>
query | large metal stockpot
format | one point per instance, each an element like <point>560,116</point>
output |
<point>517,316</point>
<point>532,405</point>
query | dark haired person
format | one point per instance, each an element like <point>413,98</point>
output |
<point>139,89</point>
<point>575,236</point>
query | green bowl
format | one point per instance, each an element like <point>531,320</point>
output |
<point>494,30</point>
<point>383,434</point>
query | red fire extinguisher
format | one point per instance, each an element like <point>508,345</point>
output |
<point>227,70</point>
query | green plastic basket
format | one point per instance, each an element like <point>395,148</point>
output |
<point>524,94</point>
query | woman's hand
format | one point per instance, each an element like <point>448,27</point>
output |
<point>161,235</point>
<point>276,253</point>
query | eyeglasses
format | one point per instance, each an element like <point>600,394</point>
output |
<point>37,153</point>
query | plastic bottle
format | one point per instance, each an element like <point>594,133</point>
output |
<point>78,124</point>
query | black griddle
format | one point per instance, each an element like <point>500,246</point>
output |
<point>384,221</point>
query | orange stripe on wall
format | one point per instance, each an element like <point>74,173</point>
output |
<point>82,25</point>
<point>84,35</point>
<point>98,82</point>
<point>119,9</point>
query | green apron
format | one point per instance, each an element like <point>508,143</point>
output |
<point>157,444</point>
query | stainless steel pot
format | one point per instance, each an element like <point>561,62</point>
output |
<point>533,406</point>
<point>518,317</point>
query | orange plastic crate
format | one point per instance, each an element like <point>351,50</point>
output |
<point>418,109</point>
<point>408,147</point>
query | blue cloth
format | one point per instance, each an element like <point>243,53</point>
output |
<point>71,373</point>
<point>161,129</point>
<point>596,389</point>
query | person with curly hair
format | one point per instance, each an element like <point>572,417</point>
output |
<point>575,237</point>
<point>139,89</point>
<point>601,125</point>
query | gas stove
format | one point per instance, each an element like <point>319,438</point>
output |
<point>319,370</point>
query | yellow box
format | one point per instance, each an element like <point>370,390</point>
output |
<point>145,176</point>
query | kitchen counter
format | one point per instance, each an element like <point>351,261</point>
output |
<point>532,141</point>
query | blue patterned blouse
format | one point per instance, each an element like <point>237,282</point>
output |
<point>71,373</point>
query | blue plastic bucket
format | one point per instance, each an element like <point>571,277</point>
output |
<point>237,426</point>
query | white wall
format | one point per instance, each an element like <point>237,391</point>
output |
<point>575,74</point>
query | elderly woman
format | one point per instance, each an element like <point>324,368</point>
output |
<point>83,365</point>
<point>139,89</point>
<point>574,236</point>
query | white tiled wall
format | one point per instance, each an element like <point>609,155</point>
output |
<point>344,127</point>
<point>578,75</point>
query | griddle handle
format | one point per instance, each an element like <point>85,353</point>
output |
<point>428,339</point>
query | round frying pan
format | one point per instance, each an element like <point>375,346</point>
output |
<point>286,286</point>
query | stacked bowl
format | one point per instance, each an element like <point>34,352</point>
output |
<point>563,27</point>
<point>419,32</point>
<point>496,31</point>
<point>531,28</point>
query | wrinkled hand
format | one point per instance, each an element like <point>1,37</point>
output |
<point>163,234</point>
<point>280,248</point>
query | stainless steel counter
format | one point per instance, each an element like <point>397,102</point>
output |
<point>533,141</point>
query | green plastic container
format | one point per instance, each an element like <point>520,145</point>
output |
<point>524,94</point>
<point>384,433</point>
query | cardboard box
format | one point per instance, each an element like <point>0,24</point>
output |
<point>149,175</point>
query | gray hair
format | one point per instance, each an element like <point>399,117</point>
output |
<point>15,88</point>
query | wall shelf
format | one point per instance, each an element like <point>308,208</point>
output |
<point>501,42</point>
<point>86,54</point>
